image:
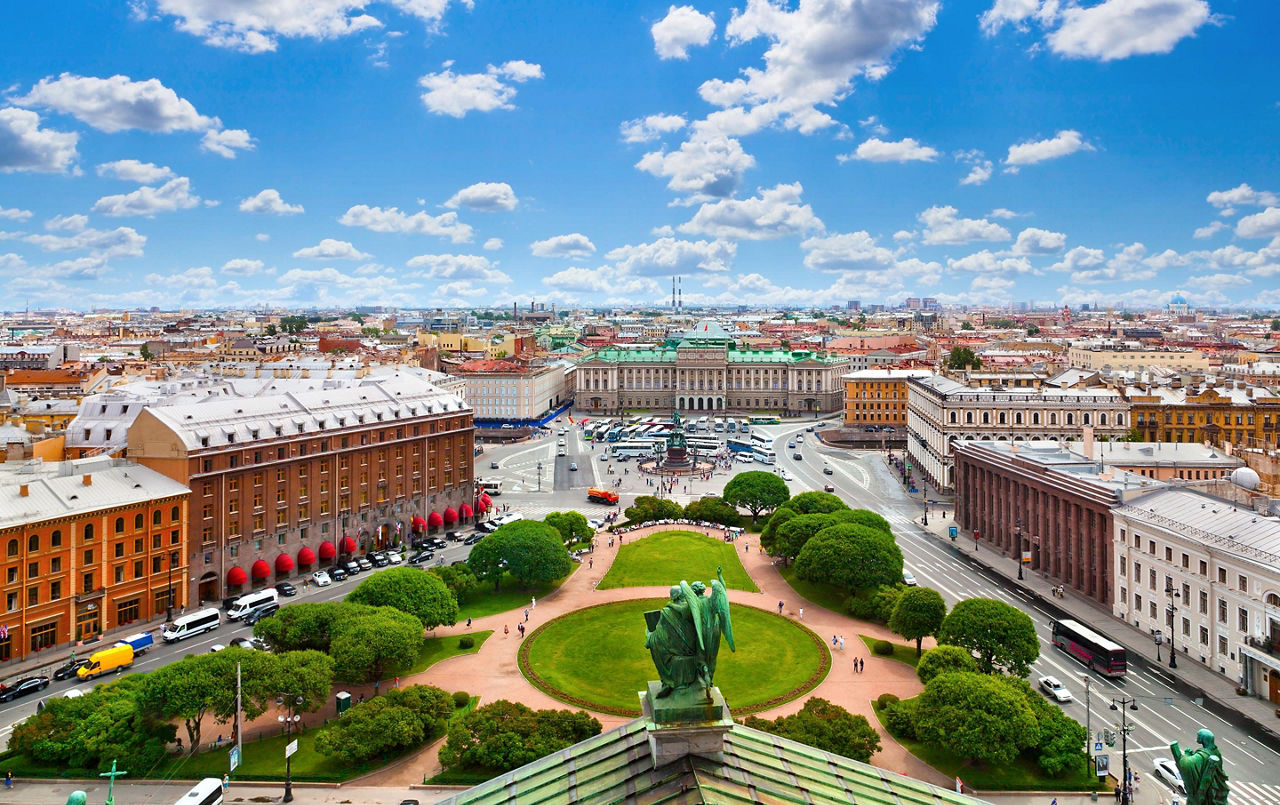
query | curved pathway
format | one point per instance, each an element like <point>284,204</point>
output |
<point>493,671</point>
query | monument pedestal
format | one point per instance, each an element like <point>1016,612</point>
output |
<point>688,722</point>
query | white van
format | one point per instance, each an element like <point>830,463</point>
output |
<point>510,517</point>
<point>191,625</point>
<point>206,792</point>
<point>251,602</point>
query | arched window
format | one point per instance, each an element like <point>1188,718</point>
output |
<point>1035,418</point>
<point>119,525</point>
<point>88,532</point>
<point>1071,418</point>
<point>13,548</point>
<point>968,417</point>
<point>1002,417</point>
<point>33,543</point>
<point>175,513</point>
<point>138,521</point>
<point>986,417</point>
<point>155,517</point>
<point>1053,419</point>
<point>1086,418</point>
<point>953,417</point>
<point>1102,419</point>
<point>1017,418</point>
<point>1120,419</point>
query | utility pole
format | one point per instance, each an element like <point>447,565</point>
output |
<point>239,719</point>
<point>1018,548</point>
<point>539,476</point>
<point>1174,595</point>
<point>1124,704</point>
<point>1088,725</point>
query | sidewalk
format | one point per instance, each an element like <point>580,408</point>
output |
<point>47,792</point>
<point>1251,714</point>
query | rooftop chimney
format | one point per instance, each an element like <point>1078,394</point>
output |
<point>88,479</point>
<point>24,491</point>
<point>1087,435</point>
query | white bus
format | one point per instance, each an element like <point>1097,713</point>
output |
<point>491,488</point>
<point>635,448</point>
<point>717,425</point>
<point>206,792</point>
<point>764,453</point>
<point>192,625</point>
<point>744,426</point>
<point>704,444</point>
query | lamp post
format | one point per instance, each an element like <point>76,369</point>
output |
<point>925,497</point>
<point>539,476</point>
<point>168,610</point>
<point>1018,548</point>
<point>1123,705</point>
<point>1173,616</point>
<point>1088,724</point>
<point>1159,637</point>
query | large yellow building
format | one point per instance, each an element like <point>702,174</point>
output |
<point>878,396</point>
<point>1220,414</point>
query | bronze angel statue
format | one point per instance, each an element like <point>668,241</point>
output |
<point>684,637</point>
<point>1202,771</point>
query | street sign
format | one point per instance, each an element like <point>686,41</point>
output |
<point>291,748</point>
<point>235,757</point>
<point>1102,763</point>
<point>1099,747</point>
<point>952,531</point>
<point>1026,557</point>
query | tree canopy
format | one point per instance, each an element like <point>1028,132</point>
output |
<point>647,508</point>
<point>460,580</point>
<point>486,558</point>
<point>825,726</point>
<point>977,717</point>
<point>963,358</point>
<point>713,509</point>
<point>573,526</point>
<point>918,614</point>
<point>815,503</point>
<point>505,735</point>
<point>408,589</point>
<point>942,659</point>
<point>1001,638</point>
<point>793,534</point>
<point>368,648</point>
<point>852,557</point>
<point>530,550</point>
<point>756,491</point>
<point>399,719</point>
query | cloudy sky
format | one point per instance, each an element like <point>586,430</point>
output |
<point>423,153</point>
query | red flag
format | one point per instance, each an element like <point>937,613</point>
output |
<point>570,420</point>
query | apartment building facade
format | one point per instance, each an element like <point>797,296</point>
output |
<point>878,397</point>
<point>502,391</point>
<point>1219,413</point>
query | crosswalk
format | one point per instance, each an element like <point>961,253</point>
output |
<point>1254,793</point>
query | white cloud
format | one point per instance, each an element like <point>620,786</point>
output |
<point>704,167</point>
<point>1035,241</point>
<point>1242,195</point>
<point>459,267</point>
<point>122,241</point>
<point>24,146</point>
<point>1079,258</point>
<point>173,195</point>
<point>377,219</point>
<point>649,128</point>
<point>492,244</point>
<point>255,26</point>
<point>262,237</point>
<point>851,251</point>
<point>1212,282</point>
<point>667,256</point>
<point>242,266</point>
<point>575,246</point>
<point>485,197</point>
<point>1127,265</point>
<point>903,235</point>
<point>1002,212</point>
<point>986,262</point>
<point>1118,29</point>
<point>905,150</point>
<point>131,170</point>
<point>683,27</point>
<point>331,249</point>
<point>1209,230</point>
<point>774,213</point>
<point>980,168</point>
<point>1265,224</point>
<point>455,94</point>
<point>269,201</point>
<point>941,226</point>
<point>1011,12</point>
<point>66,223</point>
<point>326,287</point>
<point>226,142</point>
<point>604,280</point>
<point>1064,143</point>
<point>874,126</point>
<point>197,277</point>
<point>118,103</point>
<point>815,52</point>
<point>15,214</point>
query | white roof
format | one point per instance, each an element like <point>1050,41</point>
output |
<point>887,374</point>
<point>57,489</point>
<point>1216,522</point>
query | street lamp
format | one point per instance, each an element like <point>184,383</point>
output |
<point>1018,547</point>
<point>1173,616</point>
<point>1123,705</point>
<point>539,476</point>
<point>168,609</point>
<point>1159,637</point>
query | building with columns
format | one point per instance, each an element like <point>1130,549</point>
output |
<point>705,370</point>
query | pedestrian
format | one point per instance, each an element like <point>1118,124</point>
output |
<point>376,683</point>
<point>8,779</point>
<point>358,701</point>
<point>1118,793</point>
<point>226,783</point>
<point>779,607</point>
<point>862,664</point>
<point>533,603</point>
<point>834,641</point>
<point>842,642</point>
<point>591,562</point>
<point>801,613</point>
<point>468,622</point>
<point>396,682</point>
<point>505,631</point>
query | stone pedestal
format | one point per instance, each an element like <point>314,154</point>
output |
<point>688,722</point>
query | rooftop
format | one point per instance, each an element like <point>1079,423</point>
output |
<point>58,489</point>
<point>1212,521</point>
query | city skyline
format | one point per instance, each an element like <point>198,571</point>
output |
<point>417,154</point>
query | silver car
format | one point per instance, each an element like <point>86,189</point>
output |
<point>1166,771</point>
<point>1054,689</point>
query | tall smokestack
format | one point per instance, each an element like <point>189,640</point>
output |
<point>681,291</point>
<point>673,291</point>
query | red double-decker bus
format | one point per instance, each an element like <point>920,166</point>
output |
<point>1090,648</point>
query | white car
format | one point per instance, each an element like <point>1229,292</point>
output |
<point>1167,773</point>
<point>799,438</point>
<point>1054,689</point>
<point>560,443</point>
<point>596,524</point>
<point>909,579</point>
<point>746,458</point>
<point>321,579</point>
<point>786,476</point>
<point>216,647</point>
<point>604,456</point>
<point>561,452</point>
<point>394,557</point>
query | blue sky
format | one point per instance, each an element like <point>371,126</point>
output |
<point>426,153</point>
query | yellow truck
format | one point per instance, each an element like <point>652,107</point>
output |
<point>106,661</point>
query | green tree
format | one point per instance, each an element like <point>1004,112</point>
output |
<point>1134,435</point>
<point>769,534</point>
<point>852,557</point>
<point>408,589</point>
<point>145,352</point>
<point>370,332</point>
<point>756,491</point>
<point>572,526</point>
<point>271,330</point>
<point>815,503</point>
<point>944,659</point>
<point>1002,638</point>
<point>401,718</point>
<point>534,552</point>
<point>963,358</point>
<point>1033,330</point>
<point>369,648</point>
<point>1275,325</point>
<point>305,674</point>
<point>203,685</point>
<point>918,614</point>
<point>1059,750</point>
<point>306,625</point>
<point>795,532</point>
<point>293,324</point>
<point>976,717</point>
<point>647,508</point>
<point>358,318</point>
<point>966,325</point>
<point>1002,324</point>
<point>1128,317</point>
<point>864,517</point>
<point>486,557</point>
<point>505,735</point>
<point>458,578</point>
<point>713,509</point>
<point>825,726</point>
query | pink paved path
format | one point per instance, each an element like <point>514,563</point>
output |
<point>493,673</point>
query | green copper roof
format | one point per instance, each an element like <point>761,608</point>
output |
<point>616,766</point>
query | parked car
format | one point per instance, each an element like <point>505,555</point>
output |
<point>474,538</point>
<point>1054,689</point>
<point>321,579</point>
<point>421,556</point>
<point>435,543</point>
<point>394,557</point>
<point>378,558</point>
<point>68,669</point>
<point>286,589</point>
<point>487,527</point>
<point>908,578</point>
<point>22,687</point>
<point>352,567</point>
<point>260,613</point>
<point>826,470</point>
<point>338,573</point>
<point>249,643</point>
<point>453,536</point>
<point>1167,772</point>
<point>216,647</point>
<point>364,563</point>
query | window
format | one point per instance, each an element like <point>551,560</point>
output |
<point>119,525</point>
<point>127,611</point>
<point>137,569</point>
<point>1222,575</point>
<point>1204,603</point>
<point>33,570</point>
<point>13,548</point>
<point>33,543</point>
<point>1222,610</point>
<point>1242,583</point>
<point>138,522</point>
<point>119,549</point>
<point>156,517</point>
<point>1242,620</point>
<point>175,514</point>
<point>43,637</point>
<point>55,590</point>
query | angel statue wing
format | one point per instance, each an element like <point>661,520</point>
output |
<point>720,609</point>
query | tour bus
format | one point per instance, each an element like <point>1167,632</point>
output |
<point>206,792</point>
<point>764,453</point>
<point>191,625</point>
<point>738,444</point>
<point>1090,648</point>
<point>731,425</point>
<point>744,426</point>
<point>614,434</point>
<point>491,488</point>
<point>717,425</point>
<point>589,432</point>
<point>252,602</point>
<point>765,420</point>
<point>634,448</point>
<point>704,444</point>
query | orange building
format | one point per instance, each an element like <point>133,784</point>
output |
<point>89,545</point>
<point>878,397</point>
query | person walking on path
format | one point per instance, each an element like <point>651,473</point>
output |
<point>468,622</point>
<point>801,613</point>
<point>526,616</point>
<point>779,607</point>
<point>226,783</point>
<point>842,642</point>
<point>505,631</point>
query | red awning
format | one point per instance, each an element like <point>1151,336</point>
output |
<point>327,551</point>
<point>418,522</point>
<point>348,545</point>
<point>236,577</point>
<point>435,520</point>
<point>464,511</point>
<point>284,563</point>
<point>487,501</point>
<point>260,570</point>
<point>480,507</point>
<point>450,515</point>
<point>306,556</point>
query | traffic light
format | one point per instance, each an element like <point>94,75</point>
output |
<point>1110,737</point>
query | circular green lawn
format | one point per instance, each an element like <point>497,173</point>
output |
<point>655,560</point>
<point>595,658</point>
